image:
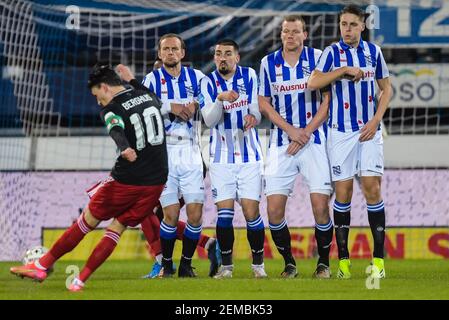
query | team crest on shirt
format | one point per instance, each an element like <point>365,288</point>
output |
<point>306,71</point>
<point>368,59</point>
<point>241,89</point>
<point>190,90</point>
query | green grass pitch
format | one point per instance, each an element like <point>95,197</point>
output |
<point>406,279</point>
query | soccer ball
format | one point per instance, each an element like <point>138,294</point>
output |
<point>34,254</point>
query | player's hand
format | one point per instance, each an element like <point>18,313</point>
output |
<point>192,107</point>
<point>369,130</point>
<point>129,154</point>
<point>299,135</point>
<point>124,72</point>
<point>354,74</point>
<point>250,122</point>
<point>229,96</point>
<point>293,148</point>
<point>180,111</point>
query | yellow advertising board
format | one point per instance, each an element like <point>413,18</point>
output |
<point>400,243</point>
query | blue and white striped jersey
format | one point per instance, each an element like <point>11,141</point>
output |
<point>287,87</point>
<point>353,104</point>
<point>229,143</point>
<point>183,89</point>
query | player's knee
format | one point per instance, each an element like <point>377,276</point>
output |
<point>251,215</point>
<point>194,218</point>
<point>276,214</point>
<point>170,218</point>
<point>343,191</point>
<point>90,219</point>
<point>250,210</point>
<point>321,213</point>
<point>117,227</point>
<point>194,213</point>
<point>372,192</point>
<point>171,214</point>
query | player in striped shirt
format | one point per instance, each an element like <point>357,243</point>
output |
<point>229,107</point>
<point>353,67</point>
<point>178,88</point>
<point>297,142</point>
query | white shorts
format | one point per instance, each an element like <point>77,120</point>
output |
<point>311,161</point>
<point>236,181</point>
<point>349,157</point>
<point>185,175</point>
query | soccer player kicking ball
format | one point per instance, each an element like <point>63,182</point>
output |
<point>137,179</point>
<point>229,107</point>
<point>355,146</point>
<point>295,146</point>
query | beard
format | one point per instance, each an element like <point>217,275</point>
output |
<point>224,70</point>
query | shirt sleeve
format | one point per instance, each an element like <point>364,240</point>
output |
<point>138,85</point>
<point>253,101</point>
<point>326,60</point>
<point>264,82</point>
<point>149,81</point>
<point>116,129</point>
<point>381,66</point>
<point>199,76</point>
<point>211,108</point>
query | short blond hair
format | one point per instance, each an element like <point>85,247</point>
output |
<point>295,17</point>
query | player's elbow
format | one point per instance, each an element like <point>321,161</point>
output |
<point>313,84</point>
<point>315,81</point>
<point>211,115</point>
<point>210,123</point>
<point>386,92</point>
<point>263,106</point>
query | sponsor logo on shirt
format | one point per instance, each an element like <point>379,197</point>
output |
<point>236,104</point>
<point>287,88</point>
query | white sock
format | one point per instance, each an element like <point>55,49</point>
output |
<point>159,258</point>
